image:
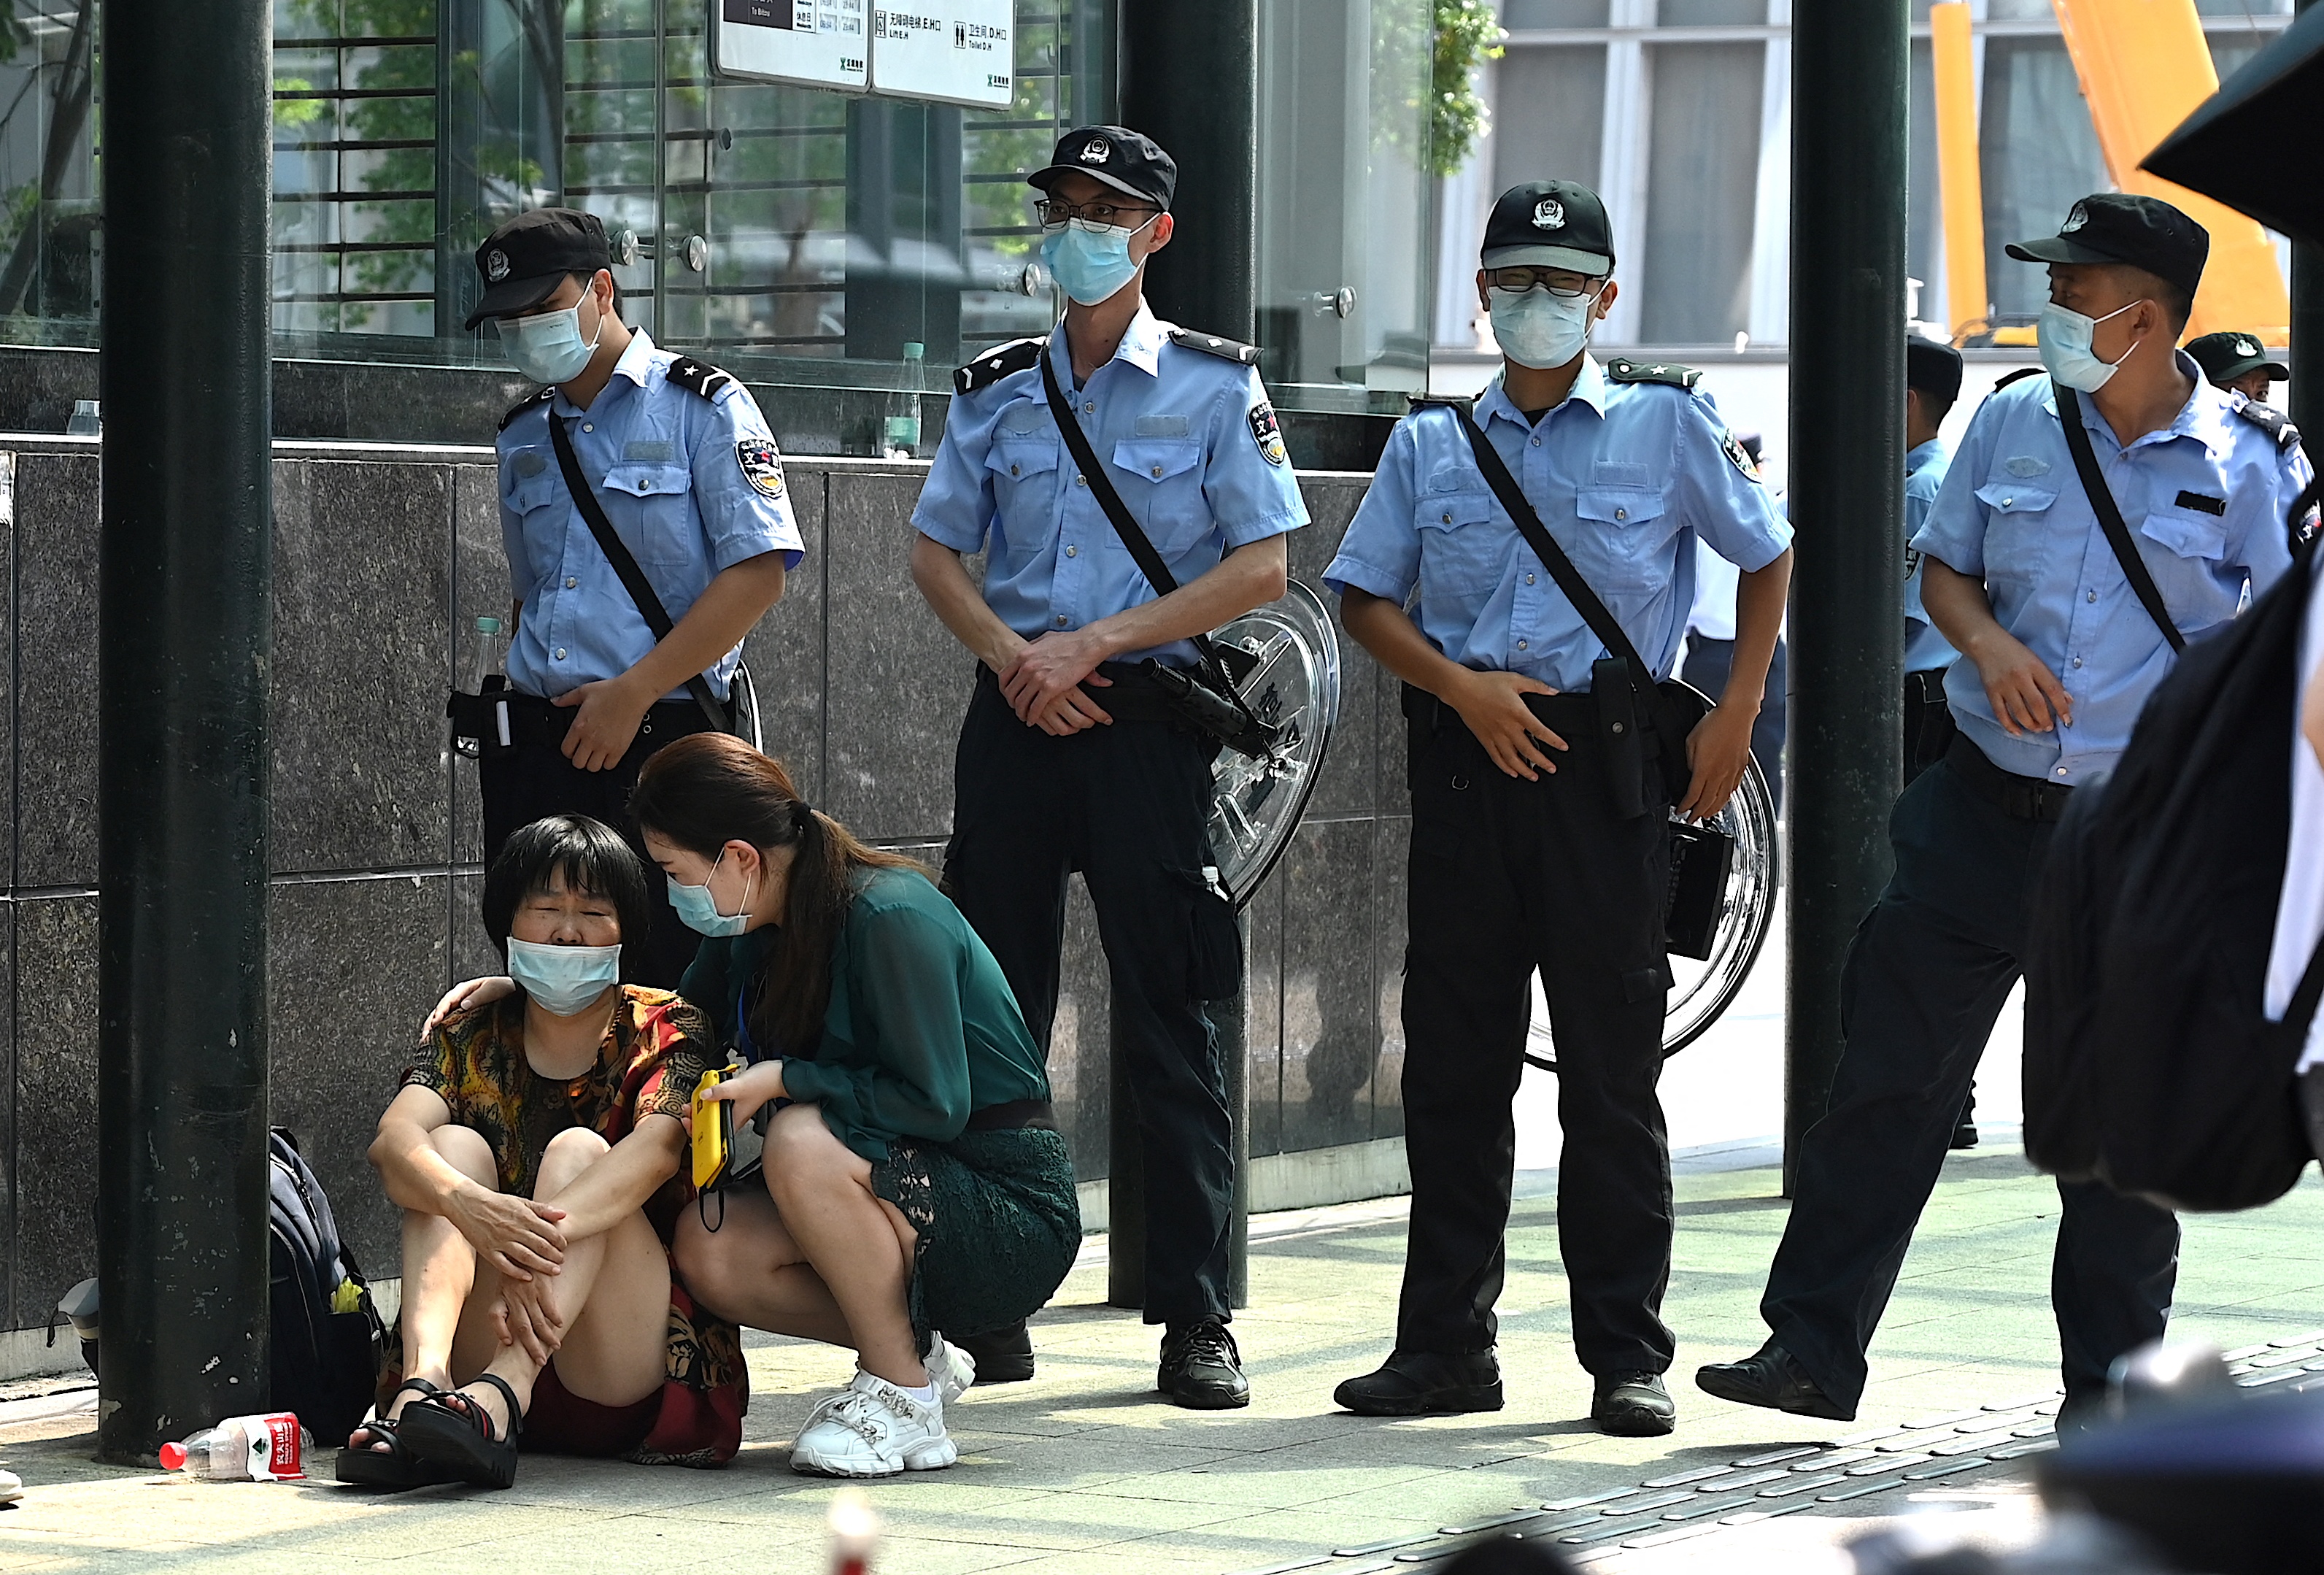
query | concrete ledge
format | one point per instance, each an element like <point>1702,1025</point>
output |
<point>1310,1178</point>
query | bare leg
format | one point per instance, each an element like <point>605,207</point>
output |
<point>440,1271</point>
<point>763,1265</point>
<point>612,1294</point>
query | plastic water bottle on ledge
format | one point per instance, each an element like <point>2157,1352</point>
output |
<point>901,432</point>
<point>244,1449</point>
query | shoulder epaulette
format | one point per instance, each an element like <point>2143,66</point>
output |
<point>700,377</point>
<point>1212,345</point>
<point>524,405</point>
<point>1670,372</point>
<point>1449,400</point>
<point>999,362</point>
<point>2271,420</point>
<point>2020,374</point>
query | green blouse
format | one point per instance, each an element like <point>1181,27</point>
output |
<point>922,1030</point>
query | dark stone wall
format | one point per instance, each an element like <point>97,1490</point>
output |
<point>382,557</point>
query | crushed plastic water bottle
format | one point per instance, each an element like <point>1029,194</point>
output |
<point>244,1449</point>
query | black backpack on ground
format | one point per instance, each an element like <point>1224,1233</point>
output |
<point>324,1364</point>
<point>2148,1063</point>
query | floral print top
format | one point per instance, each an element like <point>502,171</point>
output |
<point>655,1052</point>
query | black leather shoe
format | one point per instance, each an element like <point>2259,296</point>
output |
<point>1003,1356</point>
<point>1200,1368</point>
<point>1773,1378</point>
<point>1965,1135</point>
<point>1412,1382</point>
<point>1633,1405</point>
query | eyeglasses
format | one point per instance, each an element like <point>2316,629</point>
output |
<point>1055,215</point>
<point>1558,282</point>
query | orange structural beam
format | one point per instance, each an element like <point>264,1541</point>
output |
<point>2144,66</point>
<point>1961,181</point>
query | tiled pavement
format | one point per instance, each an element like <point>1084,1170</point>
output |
<point>1083,1470</point>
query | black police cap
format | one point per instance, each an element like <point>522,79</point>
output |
<point>524,261</point>
<point>2125,227</point>
<point>1931,367</point>
<point>1550,223</point>
<point>1129,162</point>
<point>2226,357</point>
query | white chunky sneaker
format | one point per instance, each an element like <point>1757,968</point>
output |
<point>874,1428</point>
<point>950,1368</point>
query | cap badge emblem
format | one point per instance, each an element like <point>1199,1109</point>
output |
<point>1549,213</point>
<point>496,266</point>
<point>2247,347</point>
<point>2075,220</point>
<point>1096,150</point>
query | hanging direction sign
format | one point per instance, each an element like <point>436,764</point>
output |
<point>813,44</point>
<point>946,51</point>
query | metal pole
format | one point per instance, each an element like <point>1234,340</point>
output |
<point>182,761</point>
<point>1846,476</point>
<point>1189,79</point>
<point>2306,393</point>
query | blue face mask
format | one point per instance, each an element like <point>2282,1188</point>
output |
<point>547,348</point>
<point>564,980</point>
<point>1090,262</point>
<point>698,910</point>
<point>1538,329</point>
<point>2065,336</point>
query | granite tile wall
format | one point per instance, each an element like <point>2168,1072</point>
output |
<point>383,558</point>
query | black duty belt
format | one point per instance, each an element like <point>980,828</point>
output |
<point>1571,717</point>
<point>2020,798</point>
<point>535,722</point>
<point>1130,696</point>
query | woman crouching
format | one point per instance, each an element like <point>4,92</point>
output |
<point>914,1180</point>
<point>533,1145</point>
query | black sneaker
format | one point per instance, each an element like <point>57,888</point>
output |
<point>1200,1368</point>
<point>1410,1382</point>
<point>1003,1356</point>
<point>1633,1405</point>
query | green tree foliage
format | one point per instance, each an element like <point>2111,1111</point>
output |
<point>1467,34</point>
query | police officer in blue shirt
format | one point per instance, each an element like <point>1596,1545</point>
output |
<point>1070,757</point>
<point>2058,655</point>
<point>687,473</point>
<point>1933,380</point>
<point>1522,858</point>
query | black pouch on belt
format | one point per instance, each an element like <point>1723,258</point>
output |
<point>1619,736</point>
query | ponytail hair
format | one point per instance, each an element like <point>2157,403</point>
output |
<point>709,789</point>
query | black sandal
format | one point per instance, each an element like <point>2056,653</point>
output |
<point>463,1440</point>
<point>395,1466</point>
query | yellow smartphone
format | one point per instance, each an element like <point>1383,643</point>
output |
<point>714,1131</point>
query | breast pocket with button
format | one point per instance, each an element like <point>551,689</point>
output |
<point>1631,531</point>
<point>540,503</point>
<point>1161,480</point>
<point>1024,471</point>
<point>1464,549</point>
<point>2017,526</point>
<point>2194,542</point>
<point>651,507</point>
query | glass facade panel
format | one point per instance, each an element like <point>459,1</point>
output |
<point>1521,14</point>
<point>1710,13</point>
<point>1550,117</point>
<point>1344,198</point>
<point>1701,191</point>
<point>2040,154</point>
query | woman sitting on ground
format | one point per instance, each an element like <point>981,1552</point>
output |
<point>914,1177</point>
<point>534,1149</point>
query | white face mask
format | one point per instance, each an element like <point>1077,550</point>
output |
<point>547,348</point>
<point>2065,335</point>
<point>1538,329</point>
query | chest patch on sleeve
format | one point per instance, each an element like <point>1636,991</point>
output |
<point>1266,433</point>
<point>762,467</point>
<point>1737,455</point>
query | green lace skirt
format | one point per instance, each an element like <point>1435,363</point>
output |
<point>999,1225</point>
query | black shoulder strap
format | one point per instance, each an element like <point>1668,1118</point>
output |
<point>2271,420</point>
<point>1001,361</point>
<point>2102,504</point>
<point>523,406</point>
<point>633,578</point>
<point>1212,345</point>
<point>699,377</point>
<point>1133,535</point>
<point>1595,613</point>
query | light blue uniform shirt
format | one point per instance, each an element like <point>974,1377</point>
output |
<point>1625,476</point>
<point>1189,442</point>
<point>2205,500</point>
<point>669,468</point>
<point>1925,645</point>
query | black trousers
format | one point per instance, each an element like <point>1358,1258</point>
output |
<point>1129,806</point>
<point>1508,876</point>
<point>1926,975</point>
<point>1707,663</point>
<point>534,779</point>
